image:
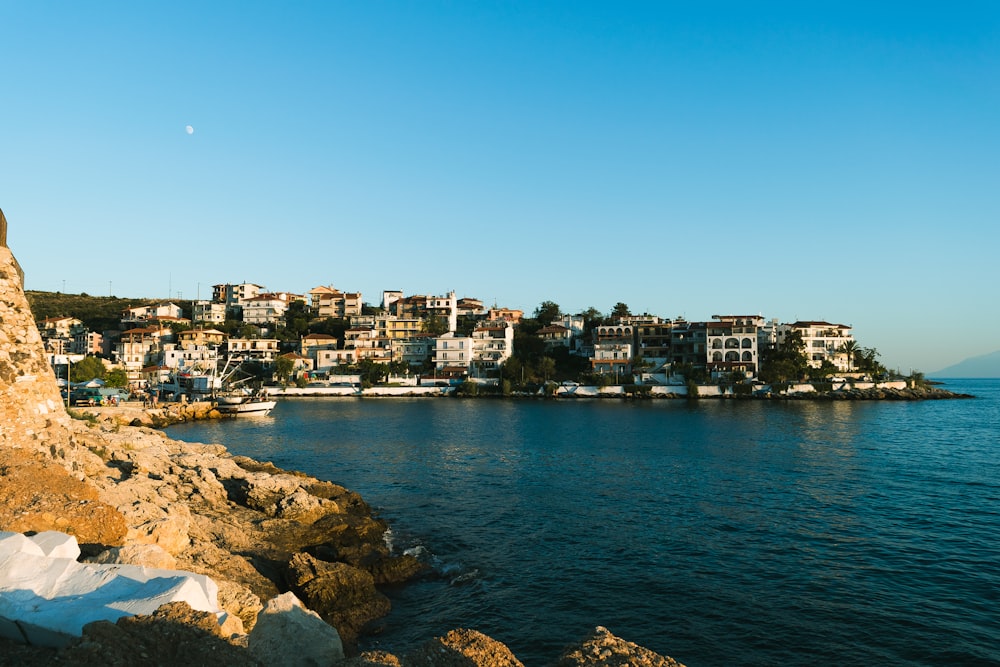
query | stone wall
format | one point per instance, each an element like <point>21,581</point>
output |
<point>31,409</point>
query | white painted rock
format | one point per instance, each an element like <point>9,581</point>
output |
<point>285,623</point>
<point>46,600</point>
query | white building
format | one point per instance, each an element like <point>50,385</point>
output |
<point>612,358</point>
<point>264,350</point>
<point>823,342</point>
<point>233,296</point>
<point>209,311</point>
<point>451,351</point>
<point>731,344</point>
<point>493,345</point>
<point>142,315</point>
<point>267,308</point>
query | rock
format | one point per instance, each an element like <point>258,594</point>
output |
<point>603,649</point>
<point>343,595</point>
<point>47,600</point>
<point>173,635</point>
<point>143,555</point>
<point>37,495</point>
<point>462,648</point>
<point>284,623</point>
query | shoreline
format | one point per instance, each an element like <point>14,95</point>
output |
<point>167,414</point>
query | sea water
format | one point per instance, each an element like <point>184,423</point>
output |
<point>716,532</point>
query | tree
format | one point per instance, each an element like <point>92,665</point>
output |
<point>435,324</point>
<point>620,310</point>
<point>591,318</point>
<point>850,348</point>
<point>786,361</point>
<point>547,311</point>
<point>547,367</point>
<point>117,378</point>
<point>88,368</point>
<point>283,367</point>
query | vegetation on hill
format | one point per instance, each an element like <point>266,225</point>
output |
<point>98,313</point>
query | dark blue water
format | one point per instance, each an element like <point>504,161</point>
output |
<point>717,532</point>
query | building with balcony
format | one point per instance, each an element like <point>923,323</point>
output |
<point>731,345</point>
<point>492,346</point>
<point>823,342</point>
<point>329,302</point>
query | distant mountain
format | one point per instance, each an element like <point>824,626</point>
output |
<point>985,366</point>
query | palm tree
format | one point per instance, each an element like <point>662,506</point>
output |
<point>850,348</point>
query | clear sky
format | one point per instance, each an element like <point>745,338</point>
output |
<point>833,161</point>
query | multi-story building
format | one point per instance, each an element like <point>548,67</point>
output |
<point>329,302</point>
<point>389,297</point>
<point>234,296</point>
<point>470,307</point>
<point>653,340</point>
<point>195,338</point>
<point>492,345</point>
<point>612,357</point>
<point>208,312</point>
<point>140,347</point>
<point>263,350</point>
<point>58,327</point>
<point>511,315</point>
<point>453,352</point>
<point>392,327</point>
<point>87,342</point>
<point>141,316</point>
<point>367,344</point>
<point>555,335</point>
<point>731,344</point>
<point>310,345</point>
<point>414,351</point>
<point>268,307</point>
<point>823,342</point>
<point>687,343</point>
<point>176,357</point>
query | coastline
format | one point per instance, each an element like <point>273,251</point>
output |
<point>127,495</point>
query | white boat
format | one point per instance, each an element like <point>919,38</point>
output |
<point>237,399</point>
<point>244,405</point>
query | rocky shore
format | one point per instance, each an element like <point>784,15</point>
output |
<point>130,495</point>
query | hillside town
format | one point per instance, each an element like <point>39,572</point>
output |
<point>329,335</point>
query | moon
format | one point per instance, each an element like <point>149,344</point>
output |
<point>189,129</point>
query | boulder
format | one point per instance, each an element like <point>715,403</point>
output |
<point>603,649</point>
<point>343,595</point>
<point>462,648</point>
<point>288,635</point>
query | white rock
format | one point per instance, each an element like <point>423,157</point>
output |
<point>46,600</point>
<point>57,545</point>
<point>284,623</point>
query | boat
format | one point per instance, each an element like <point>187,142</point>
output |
<point>235,398</point>
<point>254,403</point>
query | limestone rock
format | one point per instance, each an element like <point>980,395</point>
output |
<point>462,648</point>
<point>343,595</point>
<point>144,555</point>
<point>173,635</point>
<point>603,649</point>
<point>284,623</point>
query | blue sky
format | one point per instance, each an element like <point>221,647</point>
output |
<point>804,160</point>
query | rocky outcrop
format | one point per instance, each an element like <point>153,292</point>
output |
<point>605,650</point>
<point>461,648</point>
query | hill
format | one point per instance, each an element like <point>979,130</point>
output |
<point>984,366</point>
<point>98,313</point>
